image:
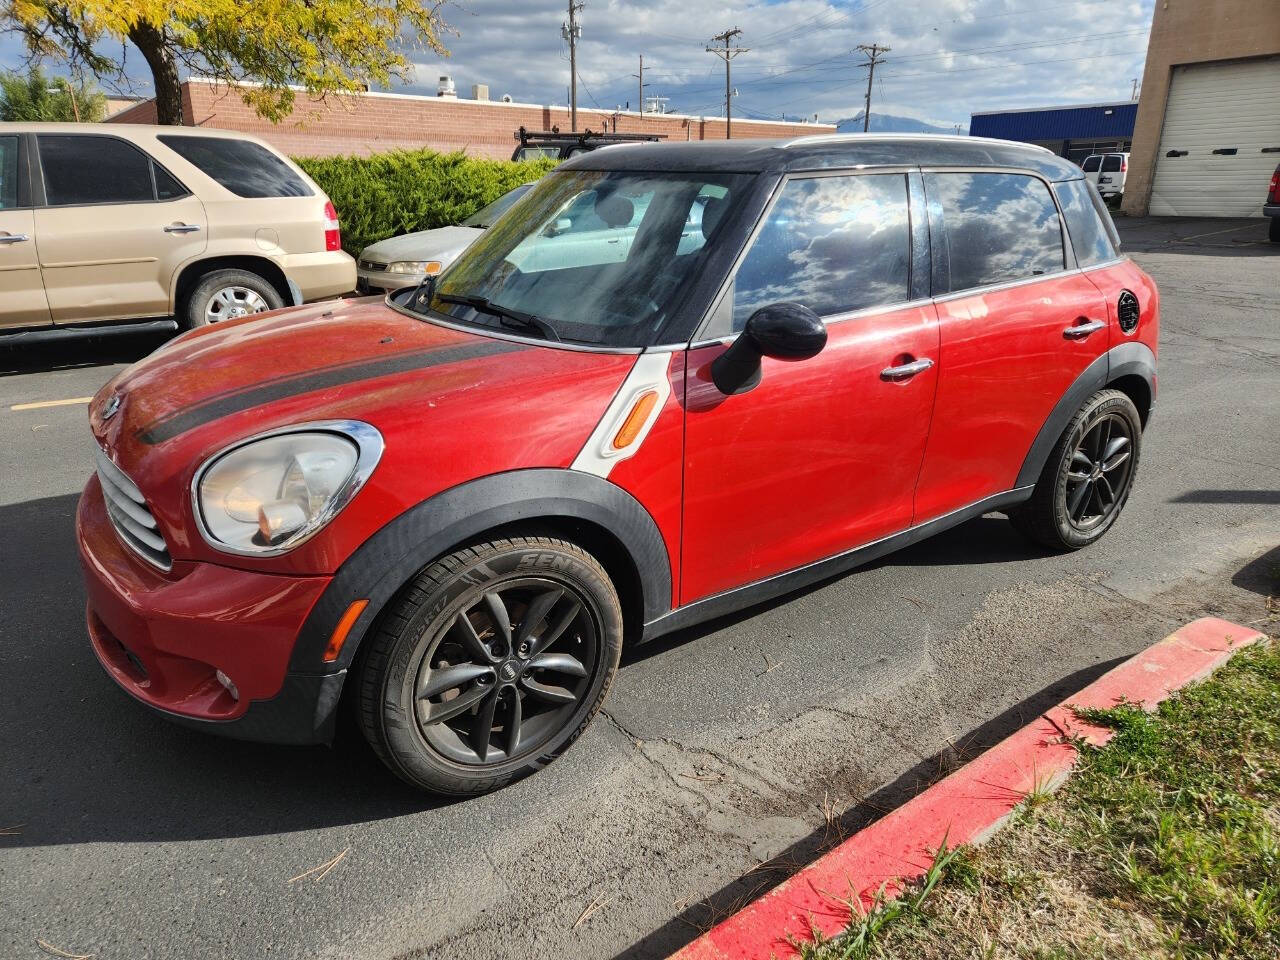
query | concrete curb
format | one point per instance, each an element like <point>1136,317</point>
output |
<point>965,808</point>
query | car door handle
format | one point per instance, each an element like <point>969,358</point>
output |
<point>906,371</point>
<point>14,238</point>
<point>1081,330</point>
<point>181,228</point>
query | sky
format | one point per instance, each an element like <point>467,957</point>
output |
<point>948,58</point>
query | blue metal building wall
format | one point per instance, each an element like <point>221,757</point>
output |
<point>1067,123</point>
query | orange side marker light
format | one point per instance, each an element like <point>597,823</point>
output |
<point>636,420</point>
<point>342,629</point>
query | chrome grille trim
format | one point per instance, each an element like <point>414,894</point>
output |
<point>132,519</point>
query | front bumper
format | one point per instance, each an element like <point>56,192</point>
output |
<point>382,281</point>
<point>163,637</point>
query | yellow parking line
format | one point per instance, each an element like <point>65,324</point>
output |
<point>50,403</point>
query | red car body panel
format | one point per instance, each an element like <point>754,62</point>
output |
<point>1004,362</point>
<point>851,443</point>
<point>440,397</point>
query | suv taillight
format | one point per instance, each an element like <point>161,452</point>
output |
<point>332,233</point>
<point>1273,195</point>
<point>1124,164</point>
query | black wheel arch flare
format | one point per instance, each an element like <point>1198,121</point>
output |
<point>385,562</point>
<point>1125,360</point>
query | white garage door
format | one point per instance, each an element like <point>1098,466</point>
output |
<point>1221,140</point>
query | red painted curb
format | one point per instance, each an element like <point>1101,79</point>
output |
<point>966,807</point>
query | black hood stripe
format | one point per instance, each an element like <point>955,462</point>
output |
<point>223,405</point>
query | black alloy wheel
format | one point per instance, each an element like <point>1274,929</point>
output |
<point>505,674</point>
<point>489,664</point>
<point>1099,471</point>
<point>1087,478</point>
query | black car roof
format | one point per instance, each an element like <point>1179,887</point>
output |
<point>824,152</point>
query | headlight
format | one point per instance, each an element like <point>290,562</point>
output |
<point>272,492</point>
<point>429,267</point>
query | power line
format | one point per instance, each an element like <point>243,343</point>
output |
<point>727,55</point>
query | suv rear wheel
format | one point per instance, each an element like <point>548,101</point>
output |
<point>1087,478</point>
<point>1273,229</point>
<point>490,664</point>
<point>227,294</point>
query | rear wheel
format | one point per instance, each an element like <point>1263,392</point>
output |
<point>1087,478</point>
<point>490,664</point>
<point>228,294</point>
<point>1273,231</point>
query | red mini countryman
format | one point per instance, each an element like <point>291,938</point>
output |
<point>670,381</point>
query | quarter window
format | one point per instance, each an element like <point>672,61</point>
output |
<point>8,172</point>
<point>834,244</point>
<point>245,168</point>
<point>997,227</point>
<point>1089,235</point>
<point>86,169</point>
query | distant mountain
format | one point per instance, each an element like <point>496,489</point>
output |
<point>888,123</point>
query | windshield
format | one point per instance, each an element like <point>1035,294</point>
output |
<point>591,256</point>
<point>485,216</point>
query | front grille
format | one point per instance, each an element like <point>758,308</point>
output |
<point>372,265</point>
<point>127,508</point>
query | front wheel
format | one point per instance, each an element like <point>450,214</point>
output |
<point>1087,478</point>
<point>490,664</point>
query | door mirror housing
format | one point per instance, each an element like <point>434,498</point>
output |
<point>784,331</point>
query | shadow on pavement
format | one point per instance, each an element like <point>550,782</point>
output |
<point>17,358</point>
<point>80,761</point>
<point>1261,575</point>
<point>1228,496</point>
<point>701,916</point>
<point>1199,236</point>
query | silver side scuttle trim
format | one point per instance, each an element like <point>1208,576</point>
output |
<point>650,374</point>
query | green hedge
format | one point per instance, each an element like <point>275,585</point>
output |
<point>405,190</point>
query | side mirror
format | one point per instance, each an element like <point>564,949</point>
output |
<point>557,227</point>
<point>784,331</point>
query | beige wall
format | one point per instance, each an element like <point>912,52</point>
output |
<point>1190,31</point>
<point>372,123</point>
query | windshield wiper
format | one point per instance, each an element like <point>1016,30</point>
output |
<point>507,316</point>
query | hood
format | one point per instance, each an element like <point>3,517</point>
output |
<point>444,243</point>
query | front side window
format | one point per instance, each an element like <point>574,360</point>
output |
<point>8,172</point>
<point>997,228</point>
<point>601,257</point>
<point>1091,164</point>
<point>1090,237</point>
<point>82,169</point>
<point>245,168</point>
<point>833,244</point>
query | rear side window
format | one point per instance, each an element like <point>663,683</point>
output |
<point>1111,164</point>
<point>245,168</point>
<point>1091,164</point>
<point>996,227</point>
<point>834,244</point>
<point>85,169</point>
<point>8,172</point>
<point>1090,237</point>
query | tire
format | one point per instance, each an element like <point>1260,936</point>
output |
<point>442,641</point>
<point>1273,230</point>
<point>233,292</point>
<point>1073,505</point>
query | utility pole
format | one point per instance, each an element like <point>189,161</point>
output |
<point>1134,95</point>
<point>873,52</point>
<point>640,76</point>
<point>726,54</point>
<point>571,30</point>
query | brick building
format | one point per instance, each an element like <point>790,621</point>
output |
<point>375,122</point>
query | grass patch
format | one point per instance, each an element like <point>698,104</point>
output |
<point>1164,844</point>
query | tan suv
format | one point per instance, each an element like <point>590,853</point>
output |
<point>109,223</point>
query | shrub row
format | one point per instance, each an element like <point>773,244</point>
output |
<point>405,190</point>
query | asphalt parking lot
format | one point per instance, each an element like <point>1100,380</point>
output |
<point>727,755</point>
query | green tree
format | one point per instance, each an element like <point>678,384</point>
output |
<point>323,46</point>
<point>35,96</point>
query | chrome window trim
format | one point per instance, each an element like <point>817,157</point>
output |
<point>369,449</point>
<point>834,318</point>
<point>974,291</point>
<point>496,334</point>
<point>905,170</point>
